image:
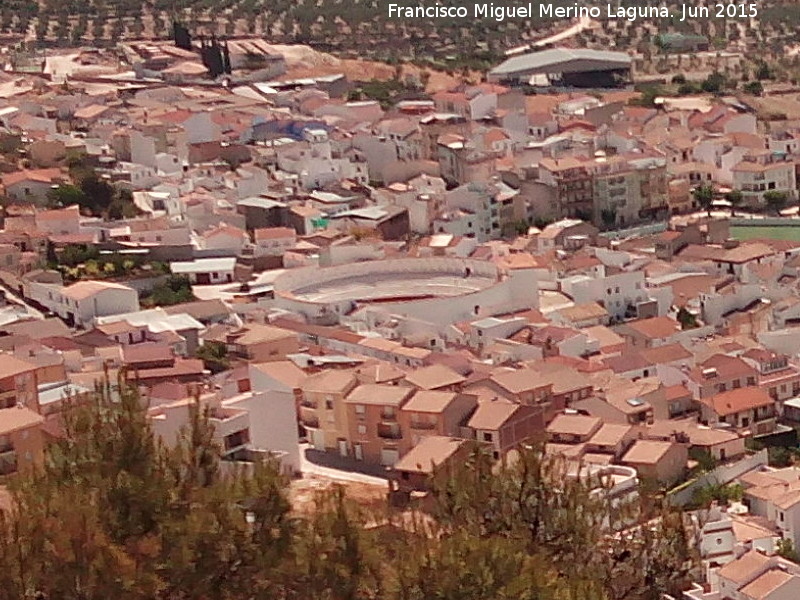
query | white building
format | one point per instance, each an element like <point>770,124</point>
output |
<point>764,172</point>
<point>81,303</point>
<point>204,271</point>
<point>621,294</point>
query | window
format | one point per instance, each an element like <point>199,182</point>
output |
<point>362,429</point>
<point>487,436</point>
<point>360,408</point>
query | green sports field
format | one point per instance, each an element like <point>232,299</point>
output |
<point>749,232</point>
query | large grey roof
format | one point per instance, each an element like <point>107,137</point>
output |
<point>556,58</point>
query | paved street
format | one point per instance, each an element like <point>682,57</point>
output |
<point>313,462</point>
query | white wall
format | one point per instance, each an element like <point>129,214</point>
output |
<point>273,421</point>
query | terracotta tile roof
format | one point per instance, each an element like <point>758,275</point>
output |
<point>379,394</point>
<point>274,233</point>
<point>40,175</point>
<point>431,452</point>
<point>655,327</point>
<point>86,289</point>
<point>626,362</point>
<point>429,401</point>
<point>667,353</point>
<point>11,366</point>
<point>769,582</point>
<point>181,368</point>
<point>518,381</point>
<point>574,424</point>
<point>284,371</point>
<point>647,452</point>
<point>581,312</point>
<point>146,352</point>
<point>225,229</point>
<point>17,418</point>
<point>727,367</point>
<point>610,434</point>
<point>434,377</point>
<point>744,568</point>
<point>68,213</point>
<point>379,372</point>
<point>492,415</point>
<point>734,401</point>
<point>329,381</point>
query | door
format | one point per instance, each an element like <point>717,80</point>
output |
<point>342,447</point>
<point>359,452</point>
<point>318,439</point>
<point>389,456</point>
<point>203,278</point>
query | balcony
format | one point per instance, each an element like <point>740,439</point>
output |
<point>8,398</point>
<point>308,404</point>
<point>236,441</point>
<point>389,431</point>
<point>228,422</point>
<point>8,462</point>
<point>311,422</point>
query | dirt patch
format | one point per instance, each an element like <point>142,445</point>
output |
<point>303,61</point>
<point>303,493</point>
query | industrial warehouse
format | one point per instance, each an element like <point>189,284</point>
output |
<point>567,68</point>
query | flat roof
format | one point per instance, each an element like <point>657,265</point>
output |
<point>203,265</point>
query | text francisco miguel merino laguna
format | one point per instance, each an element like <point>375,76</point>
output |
<point>499,12</point>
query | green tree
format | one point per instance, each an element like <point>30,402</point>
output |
<point>648,97</point>
<point>754,87</point>
<point>116,513</point>
<point>735,198</point>
<point>722,494</point>
<point>532,500</point>
<point>787,550</point>
<point>609,217</point>
<point>122,205</point>
<point>714,83</point>
<point>764,72</point>
<point>686,319</point>
<point>704,196</point>
<point>688,88</point>
<point>175,290</point>
<point>66,195</point>
<point>779,456</point>
<point>776,200</point>
<point>214,356</point>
